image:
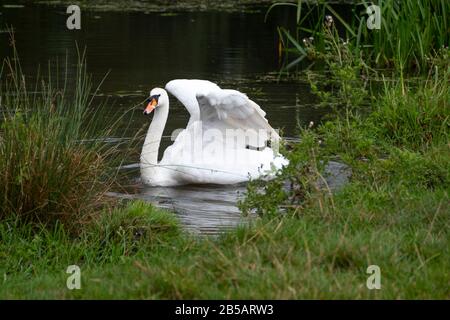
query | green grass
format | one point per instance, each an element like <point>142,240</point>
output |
<point>318,256</point>
<point>393,213</point>
<point>416,119</point>
<point>411,32</point>
<point>307,242</point>
<point>54,165</point>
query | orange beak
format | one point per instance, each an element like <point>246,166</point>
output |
<point>151,106</point>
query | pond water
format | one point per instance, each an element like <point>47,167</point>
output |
<point>141,51</point>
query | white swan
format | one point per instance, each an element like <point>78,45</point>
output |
<point>224,142</point>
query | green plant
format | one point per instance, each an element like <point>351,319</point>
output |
<point>296,185</point>
<point>400,145</point>
<point>410,32</point>
<point>315,256</point>
<point>344,82</point>
<point>134,225</point>
<point>54,164</point>
<point>415,116</point>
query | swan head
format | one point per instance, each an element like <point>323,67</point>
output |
<point>157,98</point>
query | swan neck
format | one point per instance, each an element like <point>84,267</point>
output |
<point>149,156</point>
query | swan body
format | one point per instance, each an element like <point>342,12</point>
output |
<point>224,142</point>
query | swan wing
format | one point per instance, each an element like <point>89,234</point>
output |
<point>186,91</point>
<point>230,109</point>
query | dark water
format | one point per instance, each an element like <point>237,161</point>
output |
<point>141,51</point>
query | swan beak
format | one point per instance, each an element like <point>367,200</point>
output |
<point>151,106</point>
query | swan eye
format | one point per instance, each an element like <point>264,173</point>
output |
<point>154,97</point>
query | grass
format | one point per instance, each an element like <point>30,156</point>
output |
<point>314,257</point>
<point>416,119</point>
<point>54,166</point>
<point>307,241</point>
<point>399,141</point>
<point>394,213</point>
<point>395,207</point>
<point>411,32</point>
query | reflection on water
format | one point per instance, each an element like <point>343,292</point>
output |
<point>141,51</point>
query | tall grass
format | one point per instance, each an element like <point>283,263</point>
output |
<point>416,118</point>
<point>411,31</point>
<point>53,164</point>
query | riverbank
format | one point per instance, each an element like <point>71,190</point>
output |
<point>141,253</point>
<point>307,242</point>
<point>393,214</point>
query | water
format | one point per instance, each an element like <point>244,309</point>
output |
<point>202,209</point>
<point>141,51</point>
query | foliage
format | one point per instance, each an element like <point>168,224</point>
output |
<point>397,196</point>
<point>344,82</point>
<point>308,241</point>
<point>294,186</point>
<point>134,226</point>
<point>111,236</point>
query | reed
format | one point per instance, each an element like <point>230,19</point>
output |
<point>411,32</point>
